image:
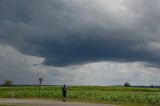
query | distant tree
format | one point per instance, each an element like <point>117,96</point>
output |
<point>126,84</point>
<point>7,83</point>
<point>151,85</point>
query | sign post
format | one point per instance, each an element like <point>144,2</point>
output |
<point>40,82</point>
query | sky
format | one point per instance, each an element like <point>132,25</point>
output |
<point>80,42</point>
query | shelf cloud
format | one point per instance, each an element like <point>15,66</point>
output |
<point>71,32</point>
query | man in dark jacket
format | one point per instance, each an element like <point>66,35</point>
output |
<point>64,91</point>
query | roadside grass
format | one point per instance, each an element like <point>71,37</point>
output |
<point>9,105</point>
<point>125,96</point>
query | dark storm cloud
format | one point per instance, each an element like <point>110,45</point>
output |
<point>67,32</point>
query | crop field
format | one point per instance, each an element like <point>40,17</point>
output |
<point>100,94</point>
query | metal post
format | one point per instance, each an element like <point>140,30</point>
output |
<point>39,91</point>
<point>13,94</point>
<point>40,82</point>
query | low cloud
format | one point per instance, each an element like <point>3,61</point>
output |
<point>23,69</point>
<point>17,67</point>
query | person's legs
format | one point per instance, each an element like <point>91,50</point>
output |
<point>64,95</point>
<point>63,99</point>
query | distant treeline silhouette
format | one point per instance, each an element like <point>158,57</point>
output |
<point>139,86</point>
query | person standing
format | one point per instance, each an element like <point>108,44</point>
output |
<point>64,91</point>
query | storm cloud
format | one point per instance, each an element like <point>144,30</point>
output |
<point>69,32</point>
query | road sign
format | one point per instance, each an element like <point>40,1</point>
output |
<point>40,80</point>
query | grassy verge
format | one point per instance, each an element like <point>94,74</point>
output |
<point>8,105</point>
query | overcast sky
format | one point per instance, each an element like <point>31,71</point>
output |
<point>86,42</point>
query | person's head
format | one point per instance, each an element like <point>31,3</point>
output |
<point>64,86</point>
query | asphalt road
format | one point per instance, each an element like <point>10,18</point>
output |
<point>41,102</point>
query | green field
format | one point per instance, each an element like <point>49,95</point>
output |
<point>99,94</point>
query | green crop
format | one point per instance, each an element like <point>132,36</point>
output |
<point>87,93</point>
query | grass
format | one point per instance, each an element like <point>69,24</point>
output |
<point>100,94</point>
<point>9,105</point>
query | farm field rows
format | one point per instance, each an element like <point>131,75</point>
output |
<point>101,94</point>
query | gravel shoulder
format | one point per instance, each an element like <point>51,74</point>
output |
<point>41,102</point>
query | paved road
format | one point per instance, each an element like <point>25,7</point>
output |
<point>40,102</point>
